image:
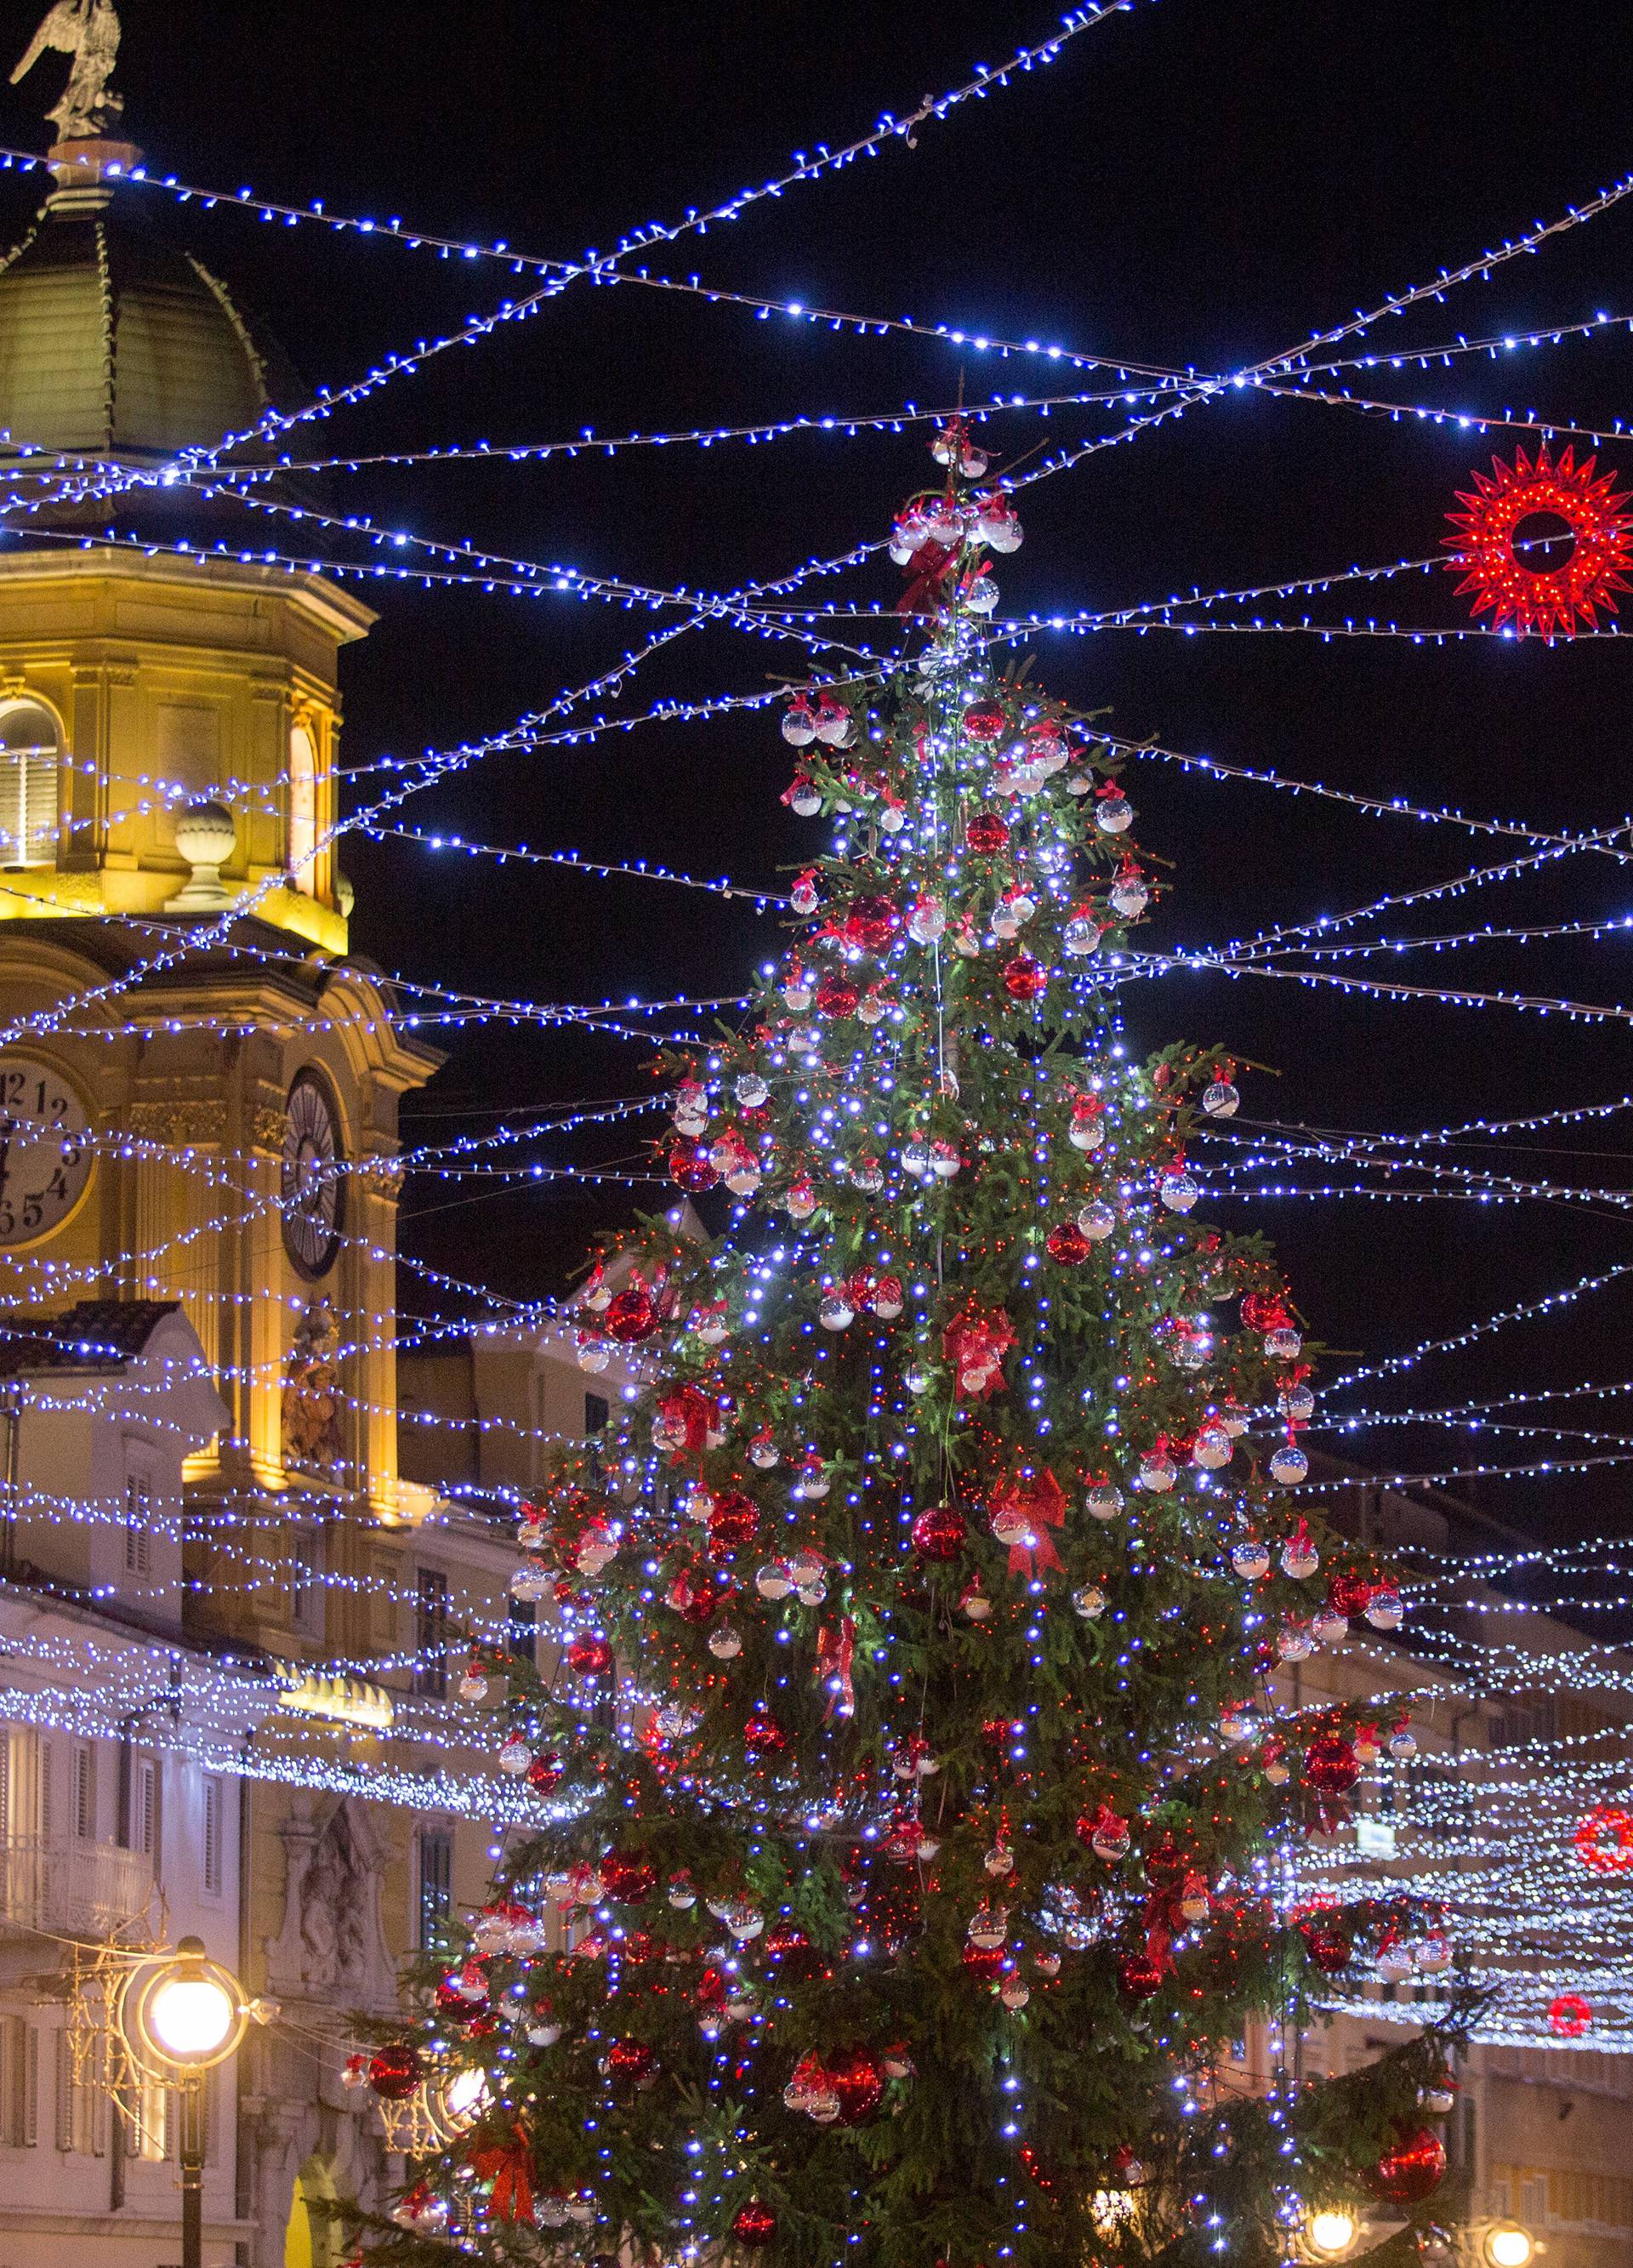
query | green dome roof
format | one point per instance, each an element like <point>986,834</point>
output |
<point>115,344</point>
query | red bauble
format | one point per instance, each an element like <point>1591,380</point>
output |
<point>984,1962</point>
<point>1329,1947</point>
<point>1603,1840</point>
<point>986,832</point>
<point>764,1734</point>
<point>1570,2015</point>
<point>395,2070</point>
<point>1263,1311</point>
<point>628,1876</point>
<point>733,1521</point>
<point>1331,1765</point>
<point>871,924</point>
<point>938,1532</point>
<point>545,1772</point>
<point>1350,1594</point>
<point>787,1944</point>
<point>1068,1244</point>
<point>589,1657</point>
<point>630,2060</point>
<point>631,1316</point>
<point>836,997</point>
<point>1166,1865</point>
<point>453,2006</point>
<point>857,2079</point>
<point>1411,2168</point>
<point>983,723</point>
<point>689,1168</point>
<point>754,2225</point>
<point>1542,597</point>
<point>1140,1977</point>
<point>1024,979</point>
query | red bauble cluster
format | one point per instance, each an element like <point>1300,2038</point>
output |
<point>1410,2170</point>
<point>754,2225</point>
<point>1548,599</point>
<point>1329,1764</point>
<point>1140,1977</point>
<point>1024,979</point>
<point>1068,1244</point>
<point>628,1876</point>
<point>857,2079</point>
<point>938,1532</point>
<point>395,2070</point>
<point>631,1316</point>
<point>631,2061</point>
<point>733,1521</point>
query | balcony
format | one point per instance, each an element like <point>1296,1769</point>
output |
<point>70,1889</point>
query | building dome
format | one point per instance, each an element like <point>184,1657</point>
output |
<point>115,345</point>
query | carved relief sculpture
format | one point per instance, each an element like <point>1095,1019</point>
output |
<point>311,1398</point>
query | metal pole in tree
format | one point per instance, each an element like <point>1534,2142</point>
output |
<point>192,2156</point>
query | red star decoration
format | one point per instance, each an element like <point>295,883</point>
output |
<point>1546,600</point>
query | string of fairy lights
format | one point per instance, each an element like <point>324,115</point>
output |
<point>1488,1830</point>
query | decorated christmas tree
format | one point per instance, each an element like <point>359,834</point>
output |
<point>917,1824</point>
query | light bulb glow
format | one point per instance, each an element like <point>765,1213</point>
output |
<point>1331,2233</point>
<point>1509,2247</point>
<point>190,2016</point>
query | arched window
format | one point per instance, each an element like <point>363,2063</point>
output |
<point>303,806</point>
<point>30,748</point>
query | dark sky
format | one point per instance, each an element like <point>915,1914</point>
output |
<point>1196,182</point>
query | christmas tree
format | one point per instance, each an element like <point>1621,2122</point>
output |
<point>911,1781</point>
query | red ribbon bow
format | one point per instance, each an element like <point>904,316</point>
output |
<point>928,573</point>
<point>1041,1501</point>
<point>976,1345</point>
<point>696,1413</point>
<point>509,2166</point>
<point>835,1649</point>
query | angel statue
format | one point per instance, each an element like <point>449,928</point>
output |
<point>86,31</point>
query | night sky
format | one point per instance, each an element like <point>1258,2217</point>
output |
<point>1195,182</point>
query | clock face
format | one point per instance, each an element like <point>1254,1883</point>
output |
<point>45,1155</point>
<point>310,1197</point>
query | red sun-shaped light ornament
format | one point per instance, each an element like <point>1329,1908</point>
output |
<point>1570,2015</point>
<point>1603,1839</point>
<point>1546,599</point>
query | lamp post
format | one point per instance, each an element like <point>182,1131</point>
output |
<point>181,2015</point>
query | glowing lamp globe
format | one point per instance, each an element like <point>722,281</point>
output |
<point>1509,2246</point>
<point>188,2013</point>
<point>189,2017</point>
<point>1331,2233</point>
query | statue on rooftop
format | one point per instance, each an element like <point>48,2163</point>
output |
<point>87,32</point>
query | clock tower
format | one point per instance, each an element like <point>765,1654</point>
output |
<point>198,1082</point>
<point>199,1088</point>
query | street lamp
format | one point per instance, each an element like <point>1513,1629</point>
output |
<point>1507,2245</point>
<point>181,2015</point>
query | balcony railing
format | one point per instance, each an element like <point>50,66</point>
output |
<point>72,1889</point>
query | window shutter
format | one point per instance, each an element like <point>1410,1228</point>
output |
<point>5,1787</point>
<point>31,2086</point>
<point>43,1806</point>
<point>64,2093</point>
<point>138,1525</point>
<point>28,766</point>
<point>85,1791</point>
<point>213,1804</point>
<point>144,1822</point>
